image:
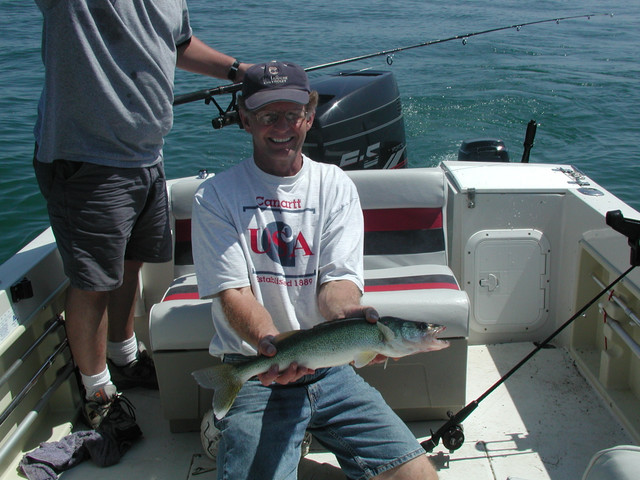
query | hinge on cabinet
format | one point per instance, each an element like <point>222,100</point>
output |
<point>471,198</point>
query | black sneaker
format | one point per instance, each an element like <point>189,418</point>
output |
<point>109,412</point>
<point>139,373</point>
<point>120,423</point>
<point>95,409</point>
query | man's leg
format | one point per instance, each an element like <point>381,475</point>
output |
<point>420,468</point>
<point>122,304</point>
<point>130,366</point>
<point>86,326</point>
<point>367,437</point>
<point>263,433</point>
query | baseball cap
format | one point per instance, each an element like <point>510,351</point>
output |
<point>274,81</point>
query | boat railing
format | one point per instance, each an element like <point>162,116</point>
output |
<point>611,314</point>
<point>23,429</point>
<point>35,359</point>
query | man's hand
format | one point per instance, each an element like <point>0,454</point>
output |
<point>292,373</point>
<point>371,314</point>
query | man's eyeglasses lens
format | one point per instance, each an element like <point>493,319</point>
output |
<point>293,117</point>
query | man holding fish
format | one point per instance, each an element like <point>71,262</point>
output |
<point>278,242</point>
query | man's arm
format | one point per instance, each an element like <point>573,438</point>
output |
<point>255,326</point>
<point>251,321</point>
<point>341,299</point>
<point>196,56</point>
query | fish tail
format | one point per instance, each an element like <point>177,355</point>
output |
<point>225,382</point>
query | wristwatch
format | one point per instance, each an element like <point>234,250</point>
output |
<point>233,70</point>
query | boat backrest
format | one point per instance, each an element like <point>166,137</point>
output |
<point>404,216</point>
<point>181,203</point>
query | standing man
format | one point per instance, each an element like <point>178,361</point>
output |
<point>278,245</point>
<point>103,114</point>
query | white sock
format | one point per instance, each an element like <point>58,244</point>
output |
<point>123,353</point>
<point>93,383</point>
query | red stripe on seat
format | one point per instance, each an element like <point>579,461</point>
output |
<point>396,219</point>
<point>410,286</point>
<point>182,296</point>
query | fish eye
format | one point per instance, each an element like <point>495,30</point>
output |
<point>423,326</point>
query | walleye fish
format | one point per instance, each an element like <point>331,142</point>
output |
<point>329,344</point>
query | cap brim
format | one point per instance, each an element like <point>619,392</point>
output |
<point>260,99</point>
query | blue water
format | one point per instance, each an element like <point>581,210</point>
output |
<point>577,79</point>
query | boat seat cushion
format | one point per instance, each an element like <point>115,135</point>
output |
<point>182,321</point>
<point>618,463</point>
<point>181,196</point>
<point>424,293</point>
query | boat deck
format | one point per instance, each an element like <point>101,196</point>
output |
<point>545,422</point>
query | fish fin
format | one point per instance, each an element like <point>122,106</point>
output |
<point>387,333</point>
<point>364,358</point>
<point>223,379</point>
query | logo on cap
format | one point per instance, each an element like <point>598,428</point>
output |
<point>274,82</point>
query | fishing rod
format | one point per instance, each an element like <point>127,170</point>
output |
<point>208,94</point>
<point>463,36</point>
<point>451,433</point>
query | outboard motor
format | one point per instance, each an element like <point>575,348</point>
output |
<point>483,150</point>
<point>358,123</point>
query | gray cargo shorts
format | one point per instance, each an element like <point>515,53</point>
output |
<point>102,216</point>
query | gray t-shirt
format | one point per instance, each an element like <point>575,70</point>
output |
<point>109,75</point>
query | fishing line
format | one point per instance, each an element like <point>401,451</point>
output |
<point>207,94</point>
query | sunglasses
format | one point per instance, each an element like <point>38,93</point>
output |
<point>293,117</point>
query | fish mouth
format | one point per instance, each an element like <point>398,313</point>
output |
<point>440,344</point>
<point>431,332</point>
<point>432,328</point>
<point>438,329</point>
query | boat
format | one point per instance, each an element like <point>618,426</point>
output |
<point>527,265</point>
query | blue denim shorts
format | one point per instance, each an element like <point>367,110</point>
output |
<point>263,432</point>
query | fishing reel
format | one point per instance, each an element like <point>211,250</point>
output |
<point>453,438</point>
<point>451,433</point>
<point>227,117</point>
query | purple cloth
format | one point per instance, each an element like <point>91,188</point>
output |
<point>51,458</point>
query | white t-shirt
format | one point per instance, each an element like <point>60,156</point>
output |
<point>283,236</point>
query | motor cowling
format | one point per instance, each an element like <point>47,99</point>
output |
<point>483,150</point>
<point>359,122</point>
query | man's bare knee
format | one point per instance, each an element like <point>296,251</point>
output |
<point>419,468</point>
